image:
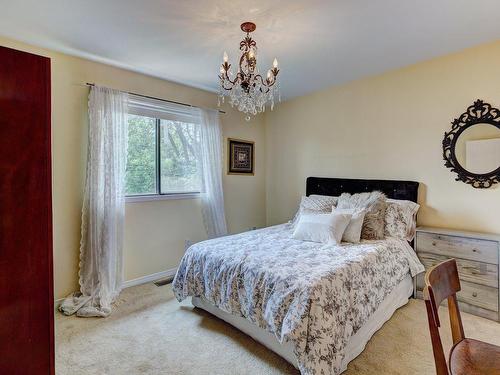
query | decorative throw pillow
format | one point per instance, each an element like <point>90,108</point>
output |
<point>353,231</point>
<point>375,205</point>
<point>315,204</point>
<point>324,228</point>
<point>401,219</point>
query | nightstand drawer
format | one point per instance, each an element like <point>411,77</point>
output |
<point>468,270</point>
<point>458,247</point>
<point>481,296</point>
<point>468,308</point>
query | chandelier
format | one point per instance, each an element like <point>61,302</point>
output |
<point>247,89</point>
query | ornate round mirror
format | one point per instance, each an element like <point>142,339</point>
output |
<point>472,148</point>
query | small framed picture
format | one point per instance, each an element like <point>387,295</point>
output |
<point>240,156</point>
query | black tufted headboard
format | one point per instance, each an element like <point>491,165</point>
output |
<point>394,189</point>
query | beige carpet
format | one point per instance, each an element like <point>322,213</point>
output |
<point>151,333</point>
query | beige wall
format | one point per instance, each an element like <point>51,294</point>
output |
<point>390,127</point>
<point>155,231</point>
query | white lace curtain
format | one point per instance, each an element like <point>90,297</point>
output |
<point>212,196</point>
<point>101,247</point>
<point>101,258</point>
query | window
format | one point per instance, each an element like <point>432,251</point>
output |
<point>179,156</point>
<point>163,154</point>
<point>141,156</point>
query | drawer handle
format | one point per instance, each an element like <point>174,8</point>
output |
<point>474,294</point>
<point>433,243</point>
<point>474,250</point>
<point>474,270</point>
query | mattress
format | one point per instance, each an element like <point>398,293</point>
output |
<point>396,299</point>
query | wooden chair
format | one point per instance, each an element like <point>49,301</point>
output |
<point>467,356</point>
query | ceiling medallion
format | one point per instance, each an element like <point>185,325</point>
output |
<point>247,89</point>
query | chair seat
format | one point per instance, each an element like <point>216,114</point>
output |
<point>473,357</point>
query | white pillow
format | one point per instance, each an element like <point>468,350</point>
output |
<point>324,228</point>
<point>375,205</point>
<point>353,231</point>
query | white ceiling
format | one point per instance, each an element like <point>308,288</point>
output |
<point>318,43</point>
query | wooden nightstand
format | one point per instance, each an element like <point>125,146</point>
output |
<point>477,256</point>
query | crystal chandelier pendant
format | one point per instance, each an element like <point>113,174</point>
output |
<point>248,90</point>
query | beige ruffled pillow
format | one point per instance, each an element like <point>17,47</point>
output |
<point>375,205</point>
<point>321,204</point>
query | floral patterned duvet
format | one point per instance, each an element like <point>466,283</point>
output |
<point>313,295</point>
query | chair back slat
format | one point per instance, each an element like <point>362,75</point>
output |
<point>437,346</point>
<point>442,282</point>
<point>443,278</point>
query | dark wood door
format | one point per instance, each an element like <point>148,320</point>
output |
<point>26,283</point>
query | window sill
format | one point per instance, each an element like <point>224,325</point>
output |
<point>160,197</point>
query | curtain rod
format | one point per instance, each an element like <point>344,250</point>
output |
<point>163,100</point>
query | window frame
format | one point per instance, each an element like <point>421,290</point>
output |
<point>159,195</point>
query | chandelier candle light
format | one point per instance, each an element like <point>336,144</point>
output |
<point>248,90</point>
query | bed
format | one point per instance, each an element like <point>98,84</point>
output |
<point>315,305</point>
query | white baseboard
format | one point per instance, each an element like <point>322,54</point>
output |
<point>138,281</point>
<point>149,278</point>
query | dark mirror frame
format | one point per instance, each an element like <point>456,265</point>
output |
<point>478,113</point>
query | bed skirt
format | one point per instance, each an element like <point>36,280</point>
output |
<point>397,298</point>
